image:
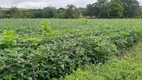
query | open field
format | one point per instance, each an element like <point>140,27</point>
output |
<point>52,48</point>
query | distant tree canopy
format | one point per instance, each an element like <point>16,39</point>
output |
<point>49,12</point>
<point>115,9</point>
<point>99,9</point>
<point>71,12</point>
<point>130,7</point>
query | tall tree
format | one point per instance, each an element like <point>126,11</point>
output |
<point>71,12</point>
<point>29,13</point>
<point>38,13</point>
<point>61,13</point>
<point>13,12</point>
<point>130,7</point>
<point>2,13</point>
<point>81,11</point>
<point>49,12</point>
<point>101,7</point>
<point>97,9</point>
<point>90,10</point>
<point>115,9</point>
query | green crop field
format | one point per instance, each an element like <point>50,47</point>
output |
<point>127,68</point>
<point>53,48</point>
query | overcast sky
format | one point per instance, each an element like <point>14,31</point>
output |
<point>45,3</point>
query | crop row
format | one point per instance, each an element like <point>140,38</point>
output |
<point>57,47</point>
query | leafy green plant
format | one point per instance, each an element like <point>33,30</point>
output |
<point>83,21</point>
<point>61,46</point>
<point>8,39</point>
<point>128,68</point>
<point>46,26</point>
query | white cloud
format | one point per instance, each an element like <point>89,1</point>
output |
<point>140,1</point>
<point>45,3</point>
<point>31,5</point>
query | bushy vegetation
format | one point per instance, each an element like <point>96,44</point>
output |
<point>54,48</point>
<point>127,68</point>
<point>98,9</point>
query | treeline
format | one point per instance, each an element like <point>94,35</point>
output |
<point>100,9</point>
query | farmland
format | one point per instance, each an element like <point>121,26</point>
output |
<point>127,68</point>
<point>53,48</point>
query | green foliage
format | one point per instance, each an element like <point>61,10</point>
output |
<point>100,9</point>
<point>61,13</point>
<point>46,27</point>
<point>130,8</point>
<point>8,39</point>
<point>83,21</point>
<point>13,12</point>
<point>128,68</point>
<point>71,12</point>
<point>49,12</point>
<point>58,47</point>
<point>115,9</point>
<point>139,12</point>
